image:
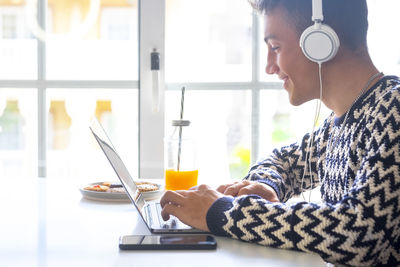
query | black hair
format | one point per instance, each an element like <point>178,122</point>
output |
<point>349,18</point>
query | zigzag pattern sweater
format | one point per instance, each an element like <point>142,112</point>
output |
<point>358,169</point>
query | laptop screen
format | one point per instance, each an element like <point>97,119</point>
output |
<point>117,164</point>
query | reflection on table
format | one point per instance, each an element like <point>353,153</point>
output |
<point>46,222</point>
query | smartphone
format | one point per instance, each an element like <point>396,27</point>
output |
<point>167,242</point>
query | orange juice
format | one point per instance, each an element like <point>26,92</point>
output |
<point>180,180</point>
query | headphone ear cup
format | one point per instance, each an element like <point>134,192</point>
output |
<point>319,43</point>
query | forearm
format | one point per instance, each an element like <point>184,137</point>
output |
<point>282,171</point>
<point>342,234</point>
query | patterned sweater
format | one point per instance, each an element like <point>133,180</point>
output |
<point>358,169</point>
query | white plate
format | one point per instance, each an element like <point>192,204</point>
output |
<point>117,196</point>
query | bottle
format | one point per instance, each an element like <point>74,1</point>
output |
<point>181,172</point>
<point>11,127</point>
<point>59,125</point>
<point>104,114</point>
<point>103,107</point>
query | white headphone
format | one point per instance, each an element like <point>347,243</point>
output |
<point>319,42</point>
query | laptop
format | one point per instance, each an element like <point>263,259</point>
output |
<point>150,211</point>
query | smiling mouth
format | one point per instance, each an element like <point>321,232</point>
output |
<point>285,81</point>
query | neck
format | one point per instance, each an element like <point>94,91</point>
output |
<point>344,79</point>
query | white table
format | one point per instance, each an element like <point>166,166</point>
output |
<point>46,222</point>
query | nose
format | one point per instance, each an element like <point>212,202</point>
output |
<point>272,67</point>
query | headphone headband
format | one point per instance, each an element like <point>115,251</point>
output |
<point>317,14</point>
<point>319,42</point>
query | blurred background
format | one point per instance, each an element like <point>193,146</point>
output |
<point>64,61</point>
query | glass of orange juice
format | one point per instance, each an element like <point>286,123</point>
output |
<point>180,180</point>
<point>180,159</point>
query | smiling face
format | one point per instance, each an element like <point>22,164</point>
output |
<point>285,58</point>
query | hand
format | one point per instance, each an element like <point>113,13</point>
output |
<point>247,187</point>
<point>191,206</point>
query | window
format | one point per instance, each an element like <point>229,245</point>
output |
<point>118,23</point>
<point>208,50</point>
<point>70,60</point>
<point>9,28</point>
<point>200,32</point>
<point>382,25</point>
<point>12,23</point>
<point>239,112</point>
<point>60,71</point>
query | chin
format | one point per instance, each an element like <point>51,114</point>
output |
<point>297,101</point>
<point>293,100</point>
<point>294,103</point>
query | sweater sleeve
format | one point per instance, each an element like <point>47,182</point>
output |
<point>362,229</point>
<point>283,170</point>
<point>357,231</point>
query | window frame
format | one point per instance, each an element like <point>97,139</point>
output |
<point>151,124</point>
<point>41,83</point>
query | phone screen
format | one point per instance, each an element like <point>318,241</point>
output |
<point>168,242</point>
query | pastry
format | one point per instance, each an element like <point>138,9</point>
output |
<point>146,186</point>
<point>112,185</point>
<point>97,188</point>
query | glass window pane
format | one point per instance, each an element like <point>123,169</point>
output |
<point>105,48</point>
<point>18,50</point>
<point>281,123</point>
<point>382,16</point>
<point>18,133</point>
<point>72,152</point>
<point>208,40</point>
<point>221,128</point>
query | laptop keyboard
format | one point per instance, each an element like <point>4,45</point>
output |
<point>171,223</point>
<point>153,217</point>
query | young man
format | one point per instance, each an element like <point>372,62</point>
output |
<point>354,155</point>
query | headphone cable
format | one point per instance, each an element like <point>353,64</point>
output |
<point>307,165</point>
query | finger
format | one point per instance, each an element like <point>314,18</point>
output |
<point>245,191</point>
<point>234,189</point>
<point>222,188</point>
<point>194,188</point>
<point>172,197</point>
<point>202,187</point>
<point>231,190</point>
<point>168,209</point>
<point>183,193</point>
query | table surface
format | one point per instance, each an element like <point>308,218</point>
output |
<point>46,222</point>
